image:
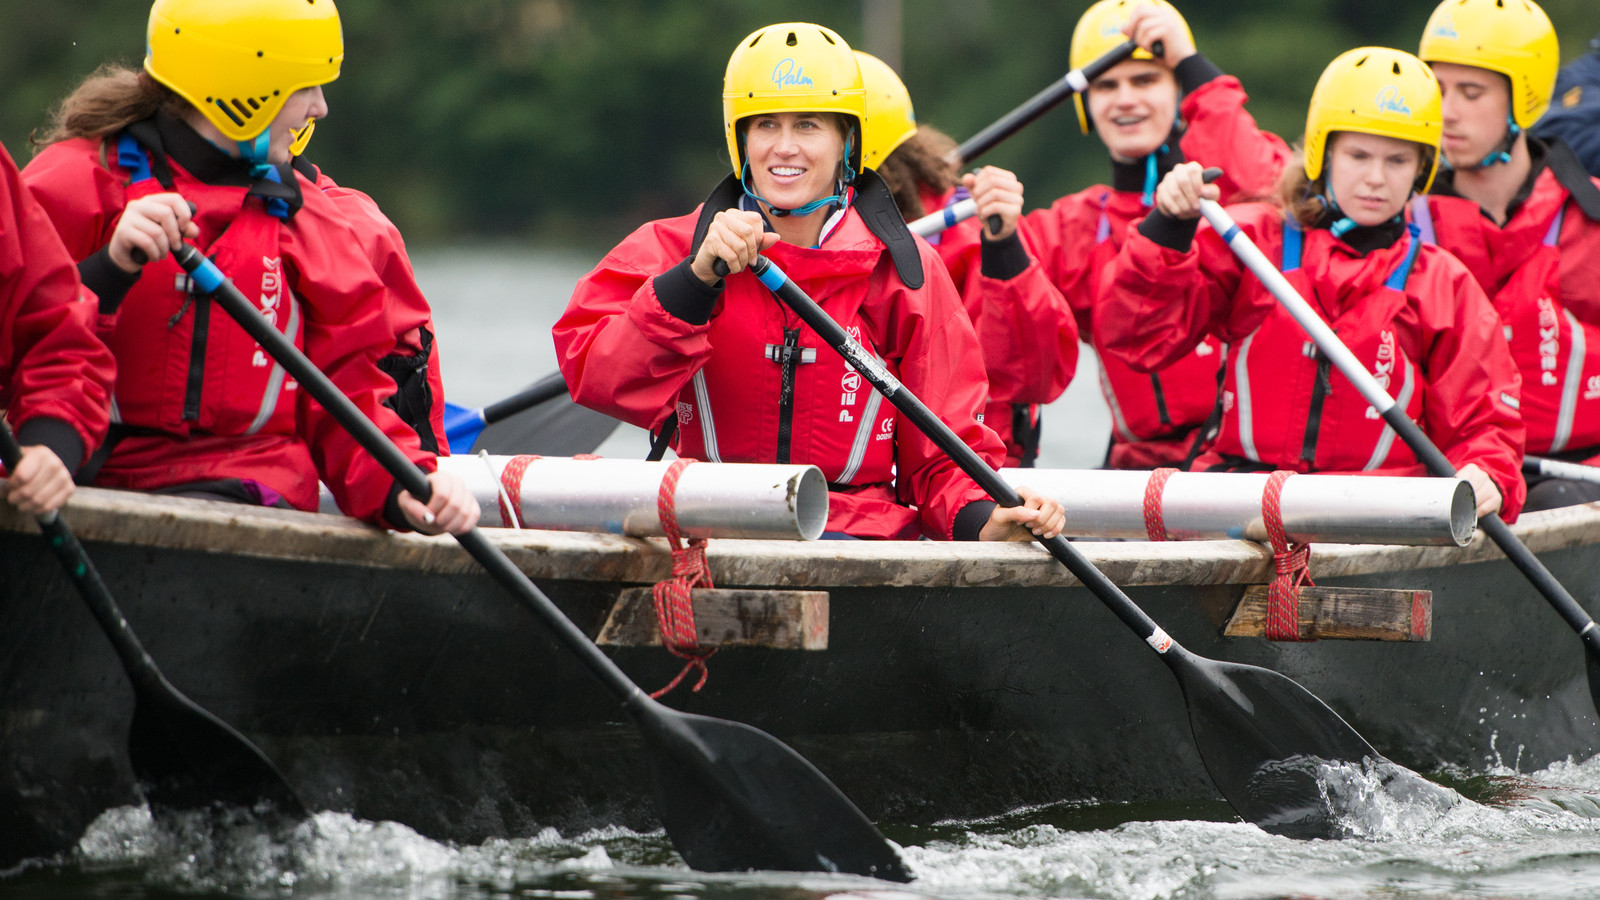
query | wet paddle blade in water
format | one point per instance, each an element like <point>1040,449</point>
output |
<point>734,798</point>
<point>187,758</point>
<point>1264,739</point>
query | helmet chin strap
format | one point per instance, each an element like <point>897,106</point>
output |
<point>256,151</point>
<point>840,197</point>
<point>1344,223</point>
<point>1500,156</point>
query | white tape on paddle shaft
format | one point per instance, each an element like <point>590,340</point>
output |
<point>1160,640</point>
<point>1323,336</point>
<point>933,223</point>
<point>1076,81</point>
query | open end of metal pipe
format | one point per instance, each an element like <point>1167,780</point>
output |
<point>1463,513</point>
<point>810,503</point>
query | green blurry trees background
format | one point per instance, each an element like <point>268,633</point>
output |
<point>571,121</point>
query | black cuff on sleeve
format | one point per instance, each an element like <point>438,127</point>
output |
<point>685,296</point>
<point>1196,71</point>
<point>1174,234</point>
<point>61,438</point>
<point>1004,259</point>
<point>970,521</point>
<point>108,282</point>
<point>392,512</point>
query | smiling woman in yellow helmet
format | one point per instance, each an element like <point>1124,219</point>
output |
<point>654,337</point>
<point>1525,218</point>
<point>1029,339</point>
<point>209,121</point>
<point>1408,311</point>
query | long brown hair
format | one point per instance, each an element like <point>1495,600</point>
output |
<point>923,159</point>
<point>110,99</point>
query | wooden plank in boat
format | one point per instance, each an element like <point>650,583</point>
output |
<point>1343,613</point>
<point>781,620</point>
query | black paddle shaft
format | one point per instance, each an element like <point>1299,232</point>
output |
<point>730,796</point>
<point>1074,82</point>
<point>545,389</point>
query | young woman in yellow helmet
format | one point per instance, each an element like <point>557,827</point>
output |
<point>1029,339</point>
<point>1151,113</point>
<point>1410,311</point>
<point>654,337</point>
<point>1524,217</point>
<point>209,121</point>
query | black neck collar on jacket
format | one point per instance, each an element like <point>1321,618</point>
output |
<point>1130,176</point>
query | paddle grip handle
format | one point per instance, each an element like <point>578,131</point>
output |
<point>1073,82</point>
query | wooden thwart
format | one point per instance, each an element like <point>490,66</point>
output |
<point>1343,614</point>
<point>779,620</point>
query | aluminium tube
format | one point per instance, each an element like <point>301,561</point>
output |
<point>1336,509</point>
<point>618,496</point>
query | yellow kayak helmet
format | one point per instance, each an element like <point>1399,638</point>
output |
<point>891,121</point>
<point>237,61</point>
<point>791,67</point>
<point>1512,37</point>
<point>1100,29</point>
<point>1376,90</point>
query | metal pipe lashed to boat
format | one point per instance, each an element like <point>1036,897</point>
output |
<point>619,496</point>
<point>1336,509</point>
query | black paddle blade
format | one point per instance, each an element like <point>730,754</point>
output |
<point>1263,738</point>
<point>557,427</point>
<point>734,798</point>
<point>1593,666</point>
<point>187,758</point>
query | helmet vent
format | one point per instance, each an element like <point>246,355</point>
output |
<point>826,38</point>
<point>792,41</point>
<point>756,39</point>
<point>1362,61</point>
<point>1397,68</point>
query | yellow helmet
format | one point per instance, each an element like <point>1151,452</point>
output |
<point>1100,29</point>
<point>791,67</point>
<point>1512,37</point>
<point>1375,90</point>
<point>890,118</point>
<point>237,61</point>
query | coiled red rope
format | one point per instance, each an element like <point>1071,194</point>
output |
<point>674,609</point>
<point>1155,525</point>
<point>1292,563</point>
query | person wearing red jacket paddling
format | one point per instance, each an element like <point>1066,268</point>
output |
<point>654,337</point>
<point>1029,338</point>
<point>1524,216</point>
<point>55,374</point>
<point>199,409</point>
<point>1151,112</point>
<point>1410,311</point>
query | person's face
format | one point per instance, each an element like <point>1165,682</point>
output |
<point>1476,105</point>
<point>1370,175</point>
<point>1133,106</point>
<point>794,157</point>
<point>301,107</point>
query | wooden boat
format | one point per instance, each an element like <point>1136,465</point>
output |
<point>388,677</point>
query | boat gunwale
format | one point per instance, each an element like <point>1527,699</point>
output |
<point>213,527</point>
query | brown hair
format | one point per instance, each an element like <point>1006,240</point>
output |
<point>923,159</point>
<point>111,98</point>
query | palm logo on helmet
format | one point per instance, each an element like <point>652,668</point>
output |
<point>238,62</point>
<point>891,120</point>
<point>793,67</point>
<point>1376,90</point>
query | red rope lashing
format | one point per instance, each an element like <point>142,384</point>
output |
<point>1292,563</point>
<point>674,610</point>
<point>1155,525</point>
<point>511,480</point>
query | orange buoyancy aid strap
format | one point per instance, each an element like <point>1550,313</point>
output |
<point>674,609</point>
<point>1291,562</point>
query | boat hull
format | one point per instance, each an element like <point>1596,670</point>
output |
<point>389,678</point>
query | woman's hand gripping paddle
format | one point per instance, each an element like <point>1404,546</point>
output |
<point>731,797</point>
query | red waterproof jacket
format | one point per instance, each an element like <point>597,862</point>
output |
<point>1542,272</point>
<point>198,400</point>
<point>1154,415</point>
<point>55,374</point>
<point>1411,312</point>
<point>1029,338</point>
<point>414,361</point>
<point>755,384</point>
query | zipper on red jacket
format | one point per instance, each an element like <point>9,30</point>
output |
<point>789,359</point>
<point>1161,402</point>
<point>1319,393</point>
<point>197,359</point>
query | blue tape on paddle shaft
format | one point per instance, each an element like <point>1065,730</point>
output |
<point>773,278</point>
<point>1233,232</point>
<point>208,276</point>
